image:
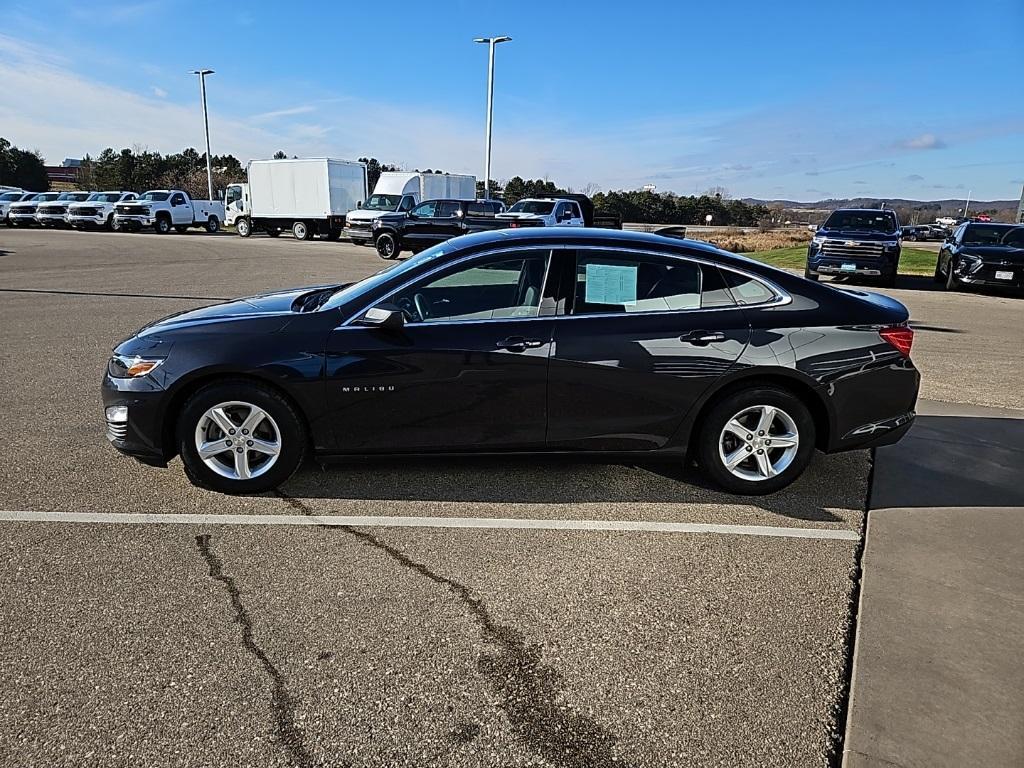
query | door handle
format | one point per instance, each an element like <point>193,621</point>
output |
<point>702,338</point>
<point>519,343</point>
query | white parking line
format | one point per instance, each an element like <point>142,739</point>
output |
<point>115,518</point>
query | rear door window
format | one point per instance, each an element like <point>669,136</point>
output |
<point>611,283</point>
<point>448,208</point>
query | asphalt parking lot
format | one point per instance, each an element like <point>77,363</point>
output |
<point>204,643</point>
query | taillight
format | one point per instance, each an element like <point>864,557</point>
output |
<point>900,337</point>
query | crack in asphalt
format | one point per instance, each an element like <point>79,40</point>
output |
<point>282,704</point>
<point>528,688</point>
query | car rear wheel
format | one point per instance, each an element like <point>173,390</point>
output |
<point>387,247</point>
<point>213,225</point>
<point>756,440</point>
<point>240,437</point>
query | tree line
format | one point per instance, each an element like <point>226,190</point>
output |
<point>22,168</point>
<point>139,169</point>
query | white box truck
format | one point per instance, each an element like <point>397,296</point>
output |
<point>398,191</point>
<point>309,196</point>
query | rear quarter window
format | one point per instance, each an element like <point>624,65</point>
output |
<point>746,290</point>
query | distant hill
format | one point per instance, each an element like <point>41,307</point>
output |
<point>1001,210</point>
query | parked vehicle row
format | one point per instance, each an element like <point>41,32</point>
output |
<point>81,210</point>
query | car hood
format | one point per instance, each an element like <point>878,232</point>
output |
<point>996,254</point>
<point>856,234</point>
<point>364,215</point>
<point>265,306</point>
<point>518,215</point>
<point>24,206</point>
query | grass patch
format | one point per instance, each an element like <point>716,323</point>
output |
<point>913,261</point>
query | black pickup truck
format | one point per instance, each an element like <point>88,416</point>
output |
<point>856,242</point>
<point>432,222</point>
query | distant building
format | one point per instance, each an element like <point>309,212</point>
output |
<point>64,177</point>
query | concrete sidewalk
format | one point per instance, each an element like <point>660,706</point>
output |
<point>938,674</point>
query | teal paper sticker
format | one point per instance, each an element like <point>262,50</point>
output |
<point>611,284</point>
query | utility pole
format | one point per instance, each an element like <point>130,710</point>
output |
<point>491,42</point>
<point>206,124</point>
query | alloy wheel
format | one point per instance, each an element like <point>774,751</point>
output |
<point>758,443</point>
<point>238,440</point>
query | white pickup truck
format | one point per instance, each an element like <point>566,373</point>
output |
<point>167,209</point>
<point>97,210</point>
<point>554,212</point>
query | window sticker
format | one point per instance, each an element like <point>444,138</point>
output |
<point>611,284</point>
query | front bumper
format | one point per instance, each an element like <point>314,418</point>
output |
<point>134,221</point>
<point>22,218</point>
<point>141,436</point>
<point>357,234</point>
<point>50,219</point>
<point>994,275</point>
<point>77,220</point>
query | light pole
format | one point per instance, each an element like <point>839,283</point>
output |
<point>206,124</point>
<point>491,42</point>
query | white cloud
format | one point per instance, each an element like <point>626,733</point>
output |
<point>160,93</point>
<point>264,117</point>
<point>923,141</point>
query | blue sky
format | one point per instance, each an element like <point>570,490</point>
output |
<point>773,100</point>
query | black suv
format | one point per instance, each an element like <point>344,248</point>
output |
<point>432,222</point>
<point>856,241</point>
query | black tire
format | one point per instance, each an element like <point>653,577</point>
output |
<point>814,276</point>
<point>938,277</point>
<point>181,229</point>
<point>213,225</point>
<point>711,435</point>
<point>243,227</point>
<point>889,281</point>
<point>162,225</point>
<point>301,231</point>
<point>273,232</point>
<point>292,436</point>
<point>952,281</point>
<point>387,246</point>
<point>109,223</point>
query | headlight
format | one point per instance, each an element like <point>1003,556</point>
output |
<point>818,239</point>
<point>891,245</point>
<point>126,367</point>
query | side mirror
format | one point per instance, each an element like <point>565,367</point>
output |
<point>359,203</point>
<point>387,317</point>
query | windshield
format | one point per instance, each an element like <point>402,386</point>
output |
<point>75,197</point>
<point>986,234</point>
<point>533,206</point>
<point>105,197</point>
<point>382,203</point>
<point>868,221</point>
<point>154,197</point>
<point>11,196</point>
<point>43,197</point>
<point>349,292</point>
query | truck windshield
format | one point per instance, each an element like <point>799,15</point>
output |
<point>11,196</point>
<point>75,197</point>
<point>155,197</point>
<point>532,206</point>
<point>868,221</point>
<point>43,197</point>
<point>105,197</point>
<point>382,203</point>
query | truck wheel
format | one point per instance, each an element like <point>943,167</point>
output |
<point>387,248</point>
<point>938,276</point>
<point>162,226</point>
<point>181,229</point>
<point>300,231</point>
<point>213,225</point>
<point>110,225</point>
<point>243,228</point>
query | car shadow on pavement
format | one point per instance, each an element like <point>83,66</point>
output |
<point>829,484</point>
<point>927,283</point>
<point>953,461</point>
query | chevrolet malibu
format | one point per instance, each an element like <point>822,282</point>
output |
<point>580,341</point>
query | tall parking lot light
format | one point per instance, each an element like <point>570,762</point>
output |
<point>206,124</point>
<point>491,42</point>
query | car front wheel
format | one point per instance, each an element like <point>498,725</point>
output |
<point>387,247</point>
<point>756,441</point>
<point>240,437</point>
